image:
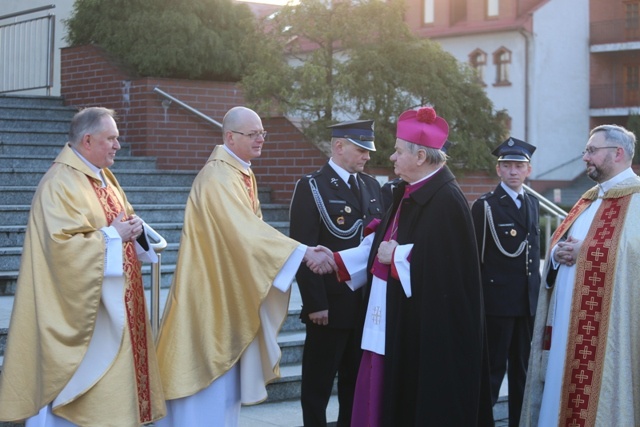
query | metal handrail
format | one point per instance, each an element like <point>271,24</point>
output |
<point>552,211</point>
<point>27,12</point>
<point>158,244</point>
<point>35,54</point>
<point>186,107</point>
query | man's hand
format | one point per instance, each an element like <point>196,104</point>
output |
<point>320,317</point>
<point>130,229</point>
<point>385,251</point>
<point>320,260</point>
<point>567,251</point>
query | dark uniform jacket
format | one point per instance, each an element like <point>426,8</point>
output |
<point>307,226</point>
<point>510,284</point>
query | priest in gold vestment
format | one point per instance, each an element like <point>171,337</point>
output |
<point>217,345</point>
<point>80,349</point>
<point>585,354</point>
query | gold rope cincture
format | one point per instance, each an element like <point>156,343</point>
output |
<point>324,215</point>
<point>523,246</point>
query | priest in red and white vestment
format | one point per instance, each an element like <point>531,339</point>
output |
<point>583,369</point>
<point>80,349</point>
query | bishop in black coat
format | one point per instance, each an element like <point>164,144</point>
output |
<point>435,367</point>
<point>435,344</point>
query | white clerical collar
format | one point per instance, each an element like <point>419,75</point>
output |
<point>342,173</point>
<point>242,162</point>
<point>607,185</point>
<point>91,166</point>
<point>426,177</point>
<point>509,191</point>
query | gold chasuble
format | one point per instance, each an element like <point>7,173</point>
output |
<point>57,301</point>
<point>602,356</point>
<point>222,308</point>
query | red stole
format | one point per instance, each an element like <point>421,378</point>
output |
<point>248,183</point>
<point>134,302</point>
<point>590,310</point>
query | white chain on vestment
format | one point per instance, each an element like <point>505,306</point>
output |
<point>324,215</point>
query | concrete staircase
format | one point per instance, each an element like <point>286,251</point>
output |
<point>32,132</point>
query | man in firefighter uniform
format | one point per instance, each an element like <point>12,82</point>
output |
<point>331,207</point>
<point>508,236</point>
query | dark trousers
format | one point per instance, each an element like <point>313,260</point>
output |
<point>509,340</point>
<point>328,351</point>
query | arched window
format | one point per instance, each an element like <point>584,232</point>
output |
<point>502,61</point>
<point>478,61</point>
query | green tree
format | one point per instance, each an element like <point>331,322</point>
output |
<point>197,39</point>
<point>360,60</point>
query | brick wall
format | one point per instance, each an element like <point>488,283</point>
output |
<point>182,141</point>
<point>178,139</point>
<point>475,184</point>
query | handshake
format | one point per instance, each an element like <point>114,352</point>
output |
<point>320,260</point>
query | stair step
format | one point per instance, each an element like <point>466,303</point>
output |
<point>126,177</point>
<point>38,113</point>
<point>277,215</point>
<point>27,125</point>
<point>22,195</point>
<point>43,162</point>
<point>27,101</point>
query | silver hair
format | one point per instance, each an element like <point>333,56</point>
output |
<point>434,156</point>
<point>86,122</point>
<point>618,135</point>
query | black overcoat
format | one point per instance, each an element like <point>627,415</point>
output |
<point>436,368</point>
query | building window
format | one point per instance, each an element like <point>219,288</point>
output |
<point>502,61</point>
<point>632,19</point>
<point>632,85</point>
<point>493,8</point>
<point>478,61</point>
<point>429,15</point>
<point>458,11</point>
<point>632,77</point>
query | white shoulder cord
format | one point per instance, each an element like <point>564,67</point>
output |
<point>324,215</point>
<point>524,245</point>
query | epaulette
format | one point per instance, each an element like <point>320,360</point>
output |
<point>311,175</point>
<point>486,195</point>
<point>366,174</point>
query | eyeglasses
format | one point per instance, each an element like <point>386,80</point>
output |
<point>252,135</point>
<point>591,150</point>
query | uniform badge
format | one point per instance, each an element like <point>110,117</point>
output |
<point>340,220</point>
<point>347,209</point>
<point>513,232</point>
<point>334,182</point>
